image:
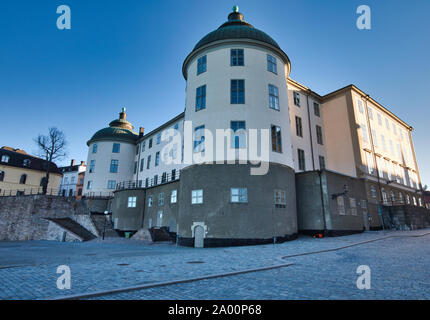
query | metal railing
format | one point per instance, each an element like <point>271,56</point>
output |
<point>97,195</point>
<point>30,191</point>
<point>147,183</point>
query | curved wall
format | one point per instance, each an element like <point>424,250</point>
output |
<point>103,157</point>
<point>257,114</point>
<point>254,222</point>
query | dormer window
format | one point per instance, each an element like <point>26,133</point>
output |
<point>5,158</point>
<point>27,162</point>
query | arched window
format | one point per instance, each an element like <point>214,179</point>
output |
<point>414,200</point>
<point>23,179</point>
<point>401,197</point>
<point>408,199</point>
<point>1,175</point>
<point>393,197</point>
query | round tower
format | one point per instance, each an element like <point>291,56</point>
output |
<point>110,157</point>
<point>236,80</point>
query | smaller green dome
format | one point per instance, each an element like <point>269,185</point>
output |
<point>118,130</point>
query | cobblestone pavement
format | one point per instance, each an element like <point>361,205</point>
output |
<point>399,269</point>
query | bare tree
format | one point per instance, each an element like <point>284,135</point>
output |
<point>51,147</point>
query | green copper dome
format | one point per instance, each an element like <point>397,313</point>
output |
<point>118,130</point>
<point>236,28</point>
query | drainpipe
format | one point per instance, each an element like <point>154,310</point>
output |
<point>322,203</point>
<point>366,98</point>
<point>310,132</point>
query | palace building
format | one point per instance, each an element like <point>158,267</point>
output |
<point>333,162</point>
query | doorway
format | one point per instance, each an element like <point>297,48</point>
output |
<point>199,236</point>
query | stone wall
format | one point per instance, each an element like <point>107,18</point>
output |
<point>406,217</point>
<point>24,217</point>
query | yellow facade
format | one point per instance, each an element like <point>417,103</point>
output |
<point>11,181</point>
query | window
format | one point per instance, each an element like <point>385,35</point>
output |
<point>173,196</point>
<point>143,146</point>
<point>280,199</point>
<point>400,197</point>
<point>420,202</point>
<point>23,179</point>
<point>42,181</point>
<point>299,128</point>
<point>273,97</point>
<point>301,157</point>
<point>149,201</point>
<point>2,176</point>
<point>239,195</point>
<point>340,205</point>
<point>370,165</point>
<point>116,148</point>
<point>408,199</point>
<point>360,106</point>
<point>157,158</point>
<point>173,177</point>
<point>137,149</point>
<point>374,138</point>
<point>379,119</point>
<point>161,199</point>
<point>296,98</point>
<point>238,139</point>
<point>89,185</point>
<point>79,192</point>
<point>199,139</point>
<point>276,139</point>
<point>237,92</point>
<point>391,147</point>
<point>146,182</point>
<point>142,164</point>
<point>322,162</point>
<point>131,202</point>
<point>414,201</point>
<point>155,179</point>
<point>26,162</point>
<point>393,197</point>
<point>319,135</point>
<point>95,148</point>
<point>370,111</point>
<point>150,144</point>
<point>158,138</point>
<point>135,167</point>
<point>353,206</point>
<point>394,128</point>
<point>317,109</point>
<point>92,165</point>
<point>201,65</point>
<point>384,196</point>
<point>196,196</point>
<point>364,132</point>
<point>384,146</point>
<point>363,204</point>
<point>111,184</point>
<point>5,158</point>
<point>387,124</point>
<point>271,64</point>
<point>201,98</point>
<point>114,166</point>
<point>237,57</point>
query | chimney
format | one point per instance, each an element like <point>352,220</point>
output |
<point>141,131</point>
<point>123,115</point>
<point>72,163</point>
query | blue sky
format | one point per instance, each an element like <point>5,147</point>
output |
<point>130,53</point>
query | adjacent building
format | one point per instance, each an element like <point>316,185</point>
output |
<point>21,173</point>
<point>72,182</point>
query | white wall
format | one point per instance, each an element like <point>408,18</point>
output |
<point>257,114</point>
<point>103,157</point>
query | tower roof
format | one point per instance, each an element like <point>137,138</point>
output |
<point>236,28</point>
<point>119,130</point>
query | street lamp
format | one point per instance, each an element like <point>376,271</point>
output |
<point>104,225</point>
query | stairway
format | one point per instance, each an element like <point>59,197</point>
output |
<point>73,227</point>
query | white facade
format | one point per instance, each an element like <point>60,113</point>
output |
<point>219,112</point>
<point>161,138</point>
<point>99,180</point>
<point>70,180</point>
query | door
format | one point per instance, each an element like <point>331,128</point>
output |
<point>159,218</point>
<point>199,236</point>
<point>366,220</point>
